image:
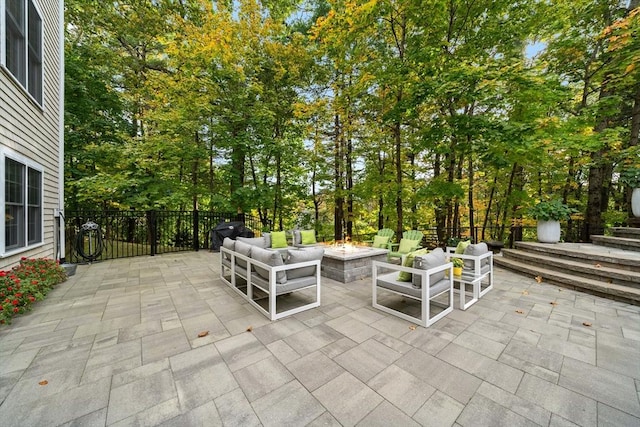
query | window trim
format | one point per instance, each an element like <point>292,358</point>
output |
<point>39,99</point>
<point>28,164</point>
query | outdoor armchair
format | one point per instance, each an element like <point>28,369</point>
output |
<point>411,240</point>
<point>382,238</point>
<point>429,277</point>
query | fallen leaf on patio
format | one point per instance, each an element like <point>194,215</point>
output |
<point>597,266</point>
<point>43,382</point>
<point>553,303</point>
<point>539,279</point>
<point>519,311</point>
<point>586,323</point>
<point>412,327</point>
<point>250,328</point>
<point>525,292</point>
<point>203,334</point>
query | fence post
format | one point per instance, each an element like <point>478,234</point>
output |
<point>196,233</point>
<point>152,224</point>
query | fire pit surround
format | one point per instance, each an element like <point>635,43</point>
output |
<point>347,262</point>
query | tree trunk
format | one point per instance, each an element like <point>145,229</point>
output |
<point>398,158</point>
<point>472,224</point>
<point>451,170</point>
<point>338,210</point>
<point>194,173</point>
<point>238,157</point>
<point>507,195</point>
<point>349,178</point>
<point>599,179</point>
<point>489,203</point>
<point>440,213</point>
<point>278,196</point>
<point>633,139</point>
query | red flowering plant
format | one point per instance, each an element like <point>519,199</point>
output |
<point>27,283</point>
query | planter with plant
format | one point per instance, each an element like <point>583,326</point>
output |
<point>630,176</point>
<point>458,263</point>
<point>549,214</point>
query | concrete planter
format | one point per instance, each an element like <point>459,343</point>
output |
<point>548,231</point>
<point>635,202</point>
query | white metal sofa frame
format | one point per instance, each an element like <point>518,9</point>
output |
<point>271,287</point>
<point>406,289</point>
<point>478,273</point>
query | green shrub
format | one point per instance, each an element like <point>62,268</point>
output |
<point>553,210</point>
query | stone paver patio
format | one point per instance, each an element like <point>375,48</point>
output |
<point>117,344</point>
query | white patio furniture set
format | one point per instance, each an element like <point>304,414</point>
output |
<point>261,275</point>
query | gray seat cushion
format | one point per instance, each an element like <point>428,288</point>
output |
<point>435,258</point>
<point>390,281</point>
<point>243,249</point>
<point>254,241</point>
<point>271,258</point>
<point>285,288</point>
<point>295,256</point>
<point>230,244</point>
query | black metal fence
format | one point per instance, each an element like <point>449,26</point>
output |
<point>102,235</point>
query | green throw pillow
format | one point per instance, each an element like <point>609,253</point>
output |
<point>406,245</point>
<point>405,276</point>
<point>380,241</point>
<point>278,239</point>
<point>308,237</point>
<point>462,246</point>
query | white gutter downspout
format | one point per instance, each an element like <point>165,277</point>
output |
<point>60,212</point>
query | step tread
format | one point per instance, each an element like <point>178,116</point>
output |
<point>568,279</point>
<point>630,240</point>
<point>626,230</point>
<point>582,266</point>
<point>619,242</point>
<point>585,251</point>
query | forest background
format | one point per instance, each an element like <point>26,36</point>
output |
<point>349,116</point>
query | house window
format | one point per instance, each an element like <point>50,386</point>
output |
<point>23,45</point>
<point>23,204</point>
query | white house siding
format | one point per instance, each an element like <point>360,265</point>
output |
<point>33,131</point>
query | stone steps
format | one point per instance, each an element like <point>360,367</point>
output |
<point>585,252</point>
<point>610,290</point>
<point>601,270</point>
<point>626,243</point>
<point>628,232</point>
<point>612,270</point>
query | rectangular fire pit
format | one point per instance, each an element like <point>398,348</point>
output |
<point>350,263</point>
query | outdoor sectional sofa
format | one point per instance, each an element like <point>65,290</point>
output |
<point>265,276</point>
